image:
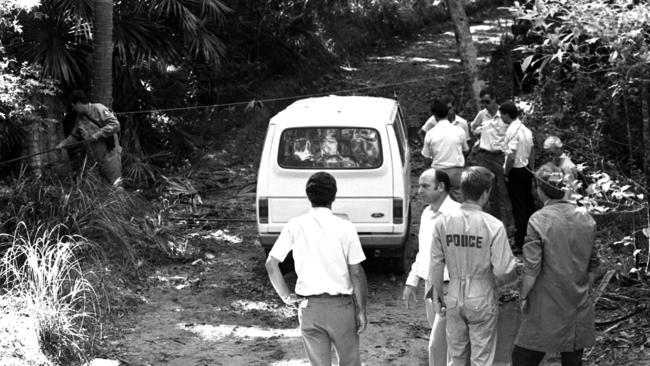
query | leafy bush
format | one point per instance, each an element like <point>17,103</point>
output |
<point>42,279</point>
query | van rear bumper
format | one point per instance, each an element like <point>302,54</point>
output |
<point>389,245</point>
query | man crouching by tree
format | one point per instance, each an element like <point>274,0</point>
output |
<point>331,288</point>
<point>97,127</point>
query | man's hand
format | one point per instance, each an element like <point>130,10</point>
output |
<point>362,321</point>
<point>409,296</point>
<point>60,145</point>
<point>292,299</point>
<point>439,306</point>
<point>523,305</point>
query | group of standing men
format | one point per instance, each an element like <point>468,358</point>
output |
<point>464,252</point>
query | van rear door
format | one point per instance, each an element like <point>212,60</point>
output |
<point>359,159</point>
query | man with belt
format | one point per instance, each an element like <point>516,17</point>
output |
<point>520,158</point>
<point>560,270</point>
<point>444,145</point>
<point>474,247</point>
<point>434,190</point>
<point>331,287</point>
<point>491,131</point>
<point>97,127</point>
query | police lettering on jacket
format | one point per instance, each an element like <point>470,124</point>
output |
<point>470,241</point>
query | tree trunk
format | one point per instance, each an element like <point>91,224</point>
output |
<point>645,112</point>
<point>102,69</point>
<point>466,48</point>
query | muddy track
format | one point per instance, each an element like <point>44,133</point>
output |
<point>220,309</point>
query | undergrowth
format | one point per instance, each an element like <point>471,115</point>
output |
<point>44,286</point>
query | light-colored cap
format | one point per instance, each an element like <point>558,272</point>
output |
<point>552,142</point>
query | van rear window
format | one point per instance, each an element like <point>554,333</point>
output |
<point>330,148</point>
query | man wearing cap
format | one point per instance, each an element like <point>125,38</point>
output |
<point>474,247</point>
<point>434,190</point>
<point>491,130</point>
<point>331,288</point>
<point>96,125</point>
<point>520,158</point>
<point>560,269</point>
<point>444,145</point>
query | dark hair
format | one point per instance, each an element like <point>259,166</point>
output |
<point>442,177</point>
<point>447,99</point>
<point>321,189</point>
<point>78,96</point>
<point>439,109</point>
<point>474,181</point>
<point>550,179</point>
<point>509,108</point>
<point>487,90</point>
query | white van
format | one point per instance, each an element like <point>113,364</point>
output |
<point>362,142</point>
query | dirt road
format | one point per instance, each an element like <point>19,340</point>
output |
<point>220,309</point>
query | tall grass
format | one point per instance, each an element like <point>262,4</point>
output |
<point>43,280</point>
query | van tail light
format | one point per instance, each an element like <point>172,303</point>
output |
<point>398,211</point>
<point>263,210</point>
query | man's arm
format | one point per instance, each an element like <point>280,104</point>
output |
<point>277,280</point>
<point>110,126</point>
<point>510,161</point>
<point>360,287</point>
<point>531,159</point>
<point>436,272</point>
<point>503,262</point>
<point>533,256</point>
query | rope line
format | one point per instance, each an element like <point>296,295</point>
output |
<point>268,100</point>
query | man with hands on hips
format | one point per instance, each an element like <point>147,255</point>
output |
<point>433,188</point>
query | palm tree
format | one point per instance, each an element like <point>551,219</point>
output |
<point>102,75</point>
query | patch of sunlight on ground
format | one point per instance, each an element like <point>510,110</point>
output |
<point>214,333</point>
<point>290,363</point>
<point>220,235</point>
<point>403,59</point>
<point>250,305</point>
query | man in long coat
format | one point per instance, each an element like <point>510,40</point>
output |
<point>560,269</point>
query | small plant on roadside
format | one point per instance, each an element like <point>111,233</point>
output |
<point>43,281</point>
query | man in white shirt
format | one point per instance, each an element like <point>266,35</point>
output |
<point>444,145</point>
<point>452,117</point>
<point>519,165</point>
<point>434,190</point>
<point>331,287</point>
<point>491,131</point>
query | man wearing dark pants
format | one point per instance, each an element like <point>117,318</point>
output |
<point>518,170</point>
<point>560,269</point>
<point>491,131</point>
<point>331,288</point>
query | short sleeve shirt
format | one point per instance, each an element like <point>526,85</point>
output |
<point>420,267</point>
<point>323,246</point>
<point>444,144</point>
<point>458,122</point>
<point>492,130</point>
<point>519,139</point>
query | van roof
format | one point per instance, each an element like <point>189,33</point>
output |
<point>337,110</point>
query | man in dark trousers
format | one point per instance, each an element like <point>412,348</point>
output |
<point>96,125</point>
<point>520,159</point>
<point>331,288</point>
<point>560,270</point>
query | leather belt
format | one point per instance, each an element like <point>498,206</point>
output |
<point>490,151</point>
<point>324,296</point>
